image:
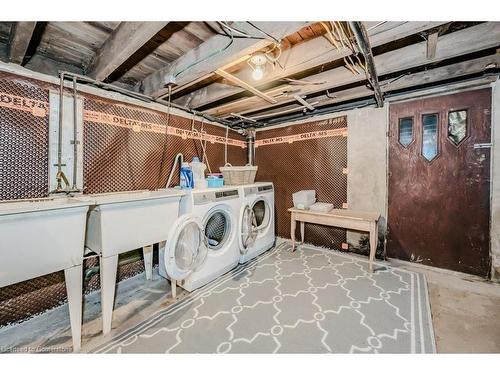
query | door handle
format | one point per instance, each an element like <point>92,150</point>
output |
<point>482,145</point>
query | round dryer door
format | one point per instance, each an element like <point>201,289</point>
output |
<point>262,213</point>
<point>248,229</point>
<point>186,248</point>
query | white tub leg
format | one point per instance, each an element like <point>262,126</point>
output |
<point>108,284</point>
<point>147,252</point>
<point>74,283</point>
<point>173,287</point>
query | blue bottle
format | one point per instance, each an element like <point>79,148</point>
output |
<point>186,177</point>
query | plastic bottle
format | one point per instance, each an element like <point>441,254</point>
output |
<point>198,169</point>
<point>186,176</point>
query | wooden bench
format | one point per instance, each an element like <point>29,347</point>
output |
<point>355,220</point>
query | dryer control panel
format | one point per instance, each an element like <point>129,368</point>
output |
<point>252,190</point>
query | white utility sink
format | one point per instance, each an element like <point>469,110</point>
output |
<point>120,222</point>
<point>125,221</point>
<point>41,236</point>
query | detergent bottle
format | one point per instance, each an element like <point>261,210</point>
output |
<point>198,169</point>
<point>186,176</point>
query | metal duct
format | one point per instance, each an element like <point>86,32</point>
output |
<point>250,135</point>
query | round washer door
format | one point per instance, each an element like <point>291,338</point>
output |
<point>186,247</point>
<point>248,227</point>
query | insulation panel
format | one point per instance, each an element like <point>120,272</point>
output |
<point>24,131</point>
<point>306,156</point>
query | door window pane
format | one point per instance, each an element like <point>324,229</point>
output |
<point>457,126</point>
<point>430,136</point>
<point>405,131</point>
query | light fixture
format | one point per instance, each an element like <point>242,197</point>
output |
<point>258,64</point>
<point>257,73</point>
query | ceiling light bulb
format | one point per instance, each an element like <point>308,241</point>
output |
<point>257,73</point>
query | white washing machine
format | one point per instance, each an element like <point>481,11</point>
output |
<point>203,242</point>
<point>257,219</point>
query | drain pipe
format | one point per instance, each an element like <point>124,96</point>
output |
<point>250,135</point>
<point>178,159</point>
<point>75,136</point>
<point>60,176</point>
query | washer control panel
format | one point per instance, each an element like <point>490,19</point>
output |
<point>214,196</point>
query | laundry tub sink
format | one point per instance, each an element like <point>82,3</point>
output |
<point>38,237</point>
<point>125,221</point>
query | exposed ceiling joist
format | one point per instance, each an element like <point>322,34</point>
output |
<point>465,41</point>
<point>20,40</point>
<point>426,77</point>
<point>215,53</point>
<point>364,45</point>
<point>306,55</point>
<point>432,40</point>
<point>245,85</point>
<point>123,42</point>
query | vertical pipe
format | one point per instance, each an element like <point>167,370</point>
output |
<point>250,133</point>
<point>75,135</point>
<point>363,42</point>
<point>59,139</point>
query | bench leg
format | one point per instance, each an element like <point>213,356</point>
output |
<point>108,285</point>
<point>147,252</point>
<point>74,283</point>
<point>173,287</point>
<point>373,244</point>
<point>293,225</point>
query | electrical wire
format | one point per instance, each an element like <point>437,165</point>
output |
<point>274,59</point>
<point>225,146</point>
<point>377,25</point>
<point>263,32</point>
<point>234,29</point>
<point>302,81</point>
<point>231,35</point>
<point>202,139</point>
<point>165,138</point>
<point>207,57</point>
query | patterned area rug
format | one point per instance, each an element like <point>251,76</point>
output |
<point>311,301</point>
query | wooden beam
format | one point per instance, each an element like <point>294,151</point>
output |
<point>303,56</point>
<point>364,45</point>
<point>465,41</point>
<point>245,85</point>
<point>20,40</point>
<point>123,42</point>
<point>304,102</point>
<point>214,53</point>
<point>43,64</point>
<point>432,40</point>
<point>426,77</point>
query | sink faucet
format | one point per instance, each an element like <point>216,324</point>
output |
<point>60,176</point>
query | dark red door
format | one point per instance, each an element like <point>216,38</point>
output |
<point>439,181</point>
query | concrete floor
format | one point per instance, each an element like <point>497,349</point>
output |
<point>465,312</point>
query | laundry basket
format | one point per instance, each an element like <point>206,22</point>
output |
<point>238,175</point>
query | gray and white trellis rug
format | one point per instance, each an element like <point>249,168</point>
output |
<point>311,301</point>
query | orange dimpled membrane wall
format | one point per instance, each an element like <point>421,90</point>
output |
<point>125,147</point>
<point>306,156</point>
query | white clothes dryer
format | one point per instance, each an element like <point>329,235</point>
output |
<point>257,220</point>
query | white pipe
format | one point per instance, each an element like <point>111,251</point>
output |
<point>177,157</point>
